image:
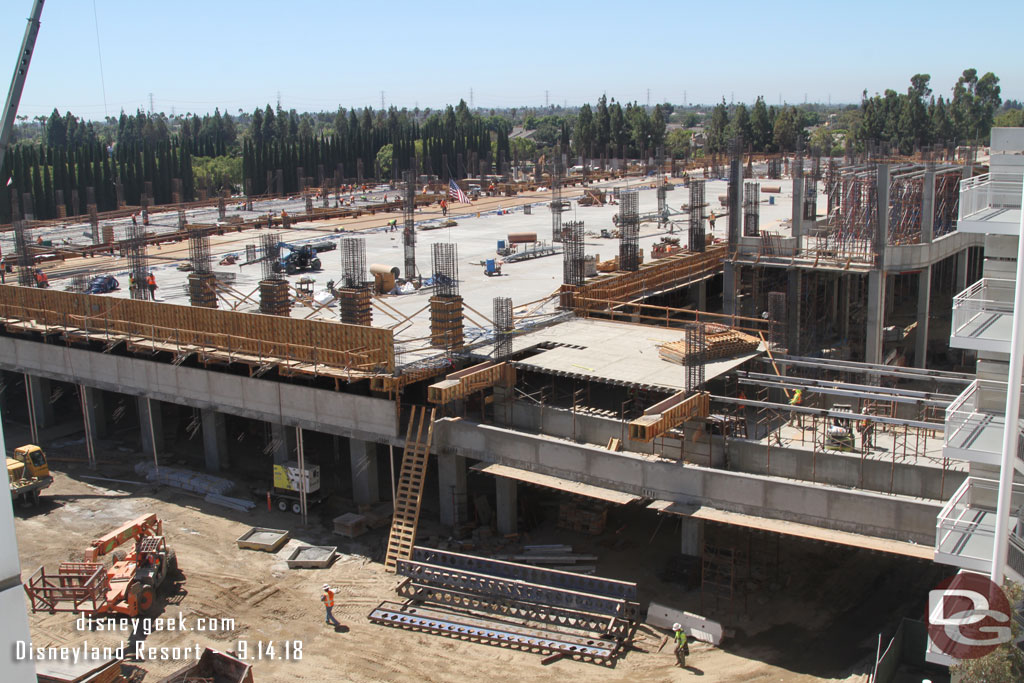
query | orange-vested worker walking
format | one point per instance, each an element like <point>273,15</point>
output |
<point>328,599</point>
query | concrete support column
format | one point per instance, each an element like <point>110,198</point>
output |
<point>798,209</point>
<point>844,306</point>
<point>692,537</point>
<point>928,207</point>
<point>794,297</point>
<point>215,440</point>
<point>729,288</point>
<point>961,270</point>
<point>39,392</point>
<point>95,411</point>
<point>282,442</point>
<point>876,317</point>
<point>451,470</point>
<point>365,486</point>
<point>151,424</point>
<point>507,504</point>
<point>924,295</point>
<point>702,295</point>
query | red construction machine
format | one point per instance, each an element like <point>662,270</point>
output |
<point>127,587</point>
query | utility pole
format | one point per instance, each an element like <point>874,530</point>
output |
<point>150,104</point>
<point>547,99</point>
<point>381,99</point>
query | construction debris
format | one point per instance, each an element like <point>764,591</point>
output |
<point>587,518</point>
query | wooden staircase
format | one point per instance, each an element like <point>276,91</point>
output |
<point>410,486</point>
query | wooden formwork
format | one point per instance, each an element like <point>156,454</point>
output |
<point>669,414</point>
<point>446,322</point>
<point>476,378</point>
<point>187,329</point>
<point>674,271</point>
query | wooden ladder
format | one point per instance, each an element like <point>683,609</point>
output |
<point>410,486</point>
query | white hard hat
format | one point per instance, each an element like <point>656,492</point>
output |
<point>676,626</point>
<point>327,586</point>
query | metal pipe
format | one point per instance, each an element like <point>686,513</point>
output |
<point>90,451</point>
<point>1010,428</point>
<point>33,426</point>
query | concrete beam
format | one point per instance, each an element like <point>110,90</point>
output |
<point>885,516</point>
<point>322,410</point>
<point>506,501</point>
<point>365,486</point>
<point>215,440</point>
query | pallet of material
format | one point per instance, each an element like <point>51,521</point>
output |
<point>719,342</point>
<point>350,525</point>
<point>586,520</point>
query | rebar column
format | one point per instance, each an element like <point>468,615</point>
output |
<point>751,209</point>
<point>698,242</point>
<point>556,201</point>
<point>629,231</point>
<point>409,229</point>
<point>572,253</point>
<point>504,325</point>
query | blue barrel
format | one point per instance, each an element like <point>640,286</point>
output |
<point>490,264</point>
<point>501,244</point>
<point>771,201</point>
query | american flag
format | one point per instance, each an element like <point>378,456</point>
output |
<point>456,193</point>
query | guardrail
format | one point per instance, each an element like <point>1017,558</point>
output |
<point>988,296</point>
<point>981,192</point>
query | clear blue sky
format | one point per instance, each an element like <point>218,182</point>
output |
<point>319,54</point>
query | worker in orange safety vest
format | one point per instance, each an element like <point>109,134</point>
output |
<point>328,599</point>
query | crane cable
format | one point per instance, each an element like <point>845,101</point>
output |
<point>99,53</point>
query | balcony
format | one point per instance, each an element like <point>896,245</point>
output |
<point>990,206</point>
<point>965,528</point>
<point>983,316</point>
<point>974,425</point>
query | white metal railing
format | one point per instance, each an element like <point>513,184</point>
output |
<point>959,520</point>
<point>1015,554</point>
<point>981,303</point>
<point>981,192</point>
<point>964,417</point>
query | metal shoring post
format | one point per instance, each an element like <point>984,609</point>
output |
<point>391,462</point>
<point>90,451</point>
<point>302,472</point>
<point>33,426</point>
<point>152,433</point>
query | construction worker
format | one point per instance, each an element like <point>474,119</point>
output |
<point>151,284</point>
<point>444,207</point>
<point>682,649</point>
<point>328,599</point>
<point>711,221</point>
<point>41,279</point>
<point>866,428</point>
<point>796,399</point>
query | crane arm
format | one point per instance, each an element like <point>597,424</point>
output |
<point>28,44</point>
<point>147,525</point>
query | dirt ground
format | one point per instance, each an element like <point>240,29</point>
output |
<point>787,636</point>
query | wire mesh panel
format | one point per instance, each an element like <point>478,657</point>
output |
<point>698,241</point>
<point>751,209</point>
<point>572,253</point>
<point>629,231</point>
<point>445,270</point>
<point>409,229</point>
<point>694,342</point>
<point>353,262</point>
<point>503,327</point>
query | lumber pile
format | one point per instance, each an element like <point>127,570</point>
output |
<point>719,342</point>
<point>587,519</point>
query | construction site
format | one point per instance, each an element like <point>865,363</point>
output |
<point>536,431</point>
<point>608,415</point>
